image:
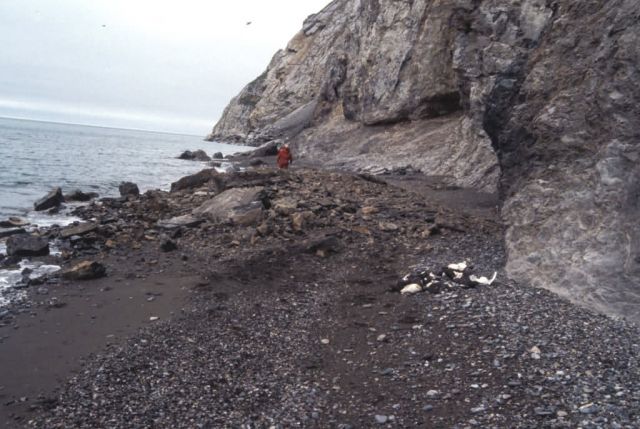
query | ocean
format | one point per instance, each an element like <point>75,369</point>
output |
<point>38,156</point>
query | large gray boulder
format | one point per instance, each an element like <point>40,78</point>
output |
<point>53,199</point>
<point>87,270</point>
<point>13,222</point>
<point>206,176</point>
<point>128,189</point>
<point>11,231</point>
<point>186,221</point>
<point>80,196</point>
<point>242,206</point>
<point>80,229</point>
<point>535,99</point>
<point>196,155</point>
<point>25,245</point>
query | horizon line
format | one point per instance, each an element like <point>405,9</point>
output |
<point>101,126</point>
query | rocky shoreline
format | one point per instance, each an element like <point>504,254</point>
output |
<point>267,298</point>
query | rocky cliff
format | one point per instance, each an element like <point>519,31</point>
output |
<point>534,98</point>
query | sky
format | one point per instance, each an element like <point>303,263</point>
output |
<point>165,65</point>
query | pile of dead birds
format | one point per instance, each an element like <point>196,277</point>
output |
<point>450,277</point>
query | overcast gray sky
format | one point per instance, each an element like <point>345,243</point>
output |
<point>168,65</point>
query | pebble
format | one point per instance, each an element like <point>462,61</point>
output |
<point>589,408</point>
<point>433,394</point>
<point>387,371</point>
<point>480,409</point>
<point>381,419</point>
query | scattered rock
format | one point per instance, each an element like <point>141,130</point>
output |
<point>128,189</point>
<point>369,210</point>
<point>433,394</point>
<point>80,196</point>
<point>323,245</point>
<point>81,229</point>
<point>168,246</point>
<point>197,155</point>
<point>300,219</point>
<point>381,419</point>
<point>25,245</point>
<point>242,206</point>
<point>187,221</point>
<point>388,226</point>
<point>53,199</point>
<point>206,176</point>
<point>9,232</point>
<point>285,206</point>
<point>218,155</point>
<point>87,270</point>
<point>13,222</point>
<point>589,408</point>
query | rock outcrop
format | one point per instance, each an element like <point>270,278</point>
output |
<point>26,245</point>
<point>53,199</point>
<point>128,189</point>
<point>197,155</point>
<point>536,98</point>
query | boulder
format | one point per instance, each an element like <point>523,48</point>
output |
<point>25,245</point>
<point>218,155</point>
<point>187,221</point>
<point>267,149</point>
<point>197,155</point>
<point>300,220</point>
<point>323,245</point>
<point>9,262</point>
<point>13,231</point>
<point>285,206</point>
<point>128,189</point>
<point>80,196</point>
<point>168,245</point>
<point>242,206</point>
<point>13,222</point>
<point>87,270</point>
<point>81,229</point>
<point>209,175</point>
<point>53,199</point>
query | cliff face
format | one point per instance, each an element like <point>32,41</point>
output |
<point>536,98</point>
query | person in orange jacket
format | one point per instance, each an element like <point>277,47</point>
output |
<point>284,157</point>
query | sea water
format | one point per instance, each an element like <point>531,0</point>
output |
<point>38,156</point>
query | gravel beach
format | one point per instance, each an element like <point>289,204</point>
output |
<point>292,316</point>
